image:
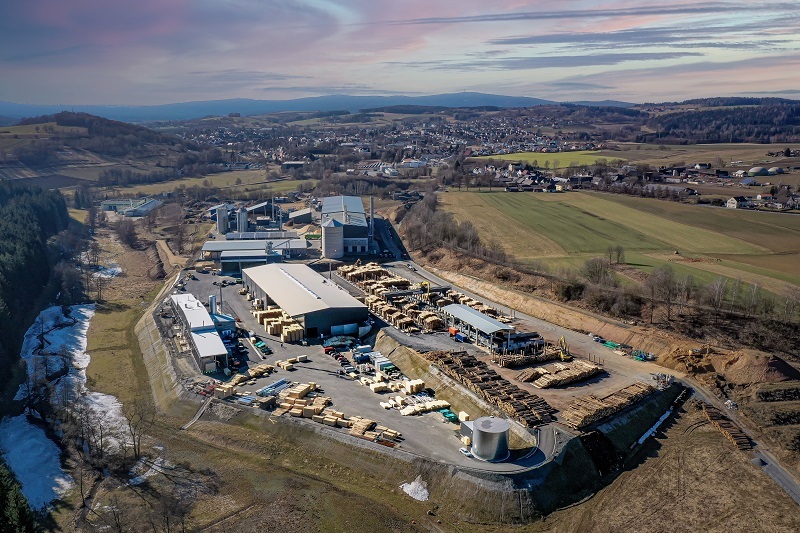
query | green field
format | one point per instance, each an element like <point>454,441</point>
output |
<point>564,230</point>
<point>564,159</point>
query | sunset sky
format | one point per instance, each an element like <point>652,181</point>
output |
<point>163,51</point>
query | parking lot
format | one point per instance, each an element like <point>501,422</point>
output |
<point>428,434</point>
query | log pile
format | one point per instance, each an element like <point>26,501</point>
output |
<point>528,409</point>
<point>725,426</point>
<point>559,374</point>
<point>589,409</point>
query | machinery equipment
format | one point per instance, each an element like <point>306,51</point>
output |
<point>564,350</point>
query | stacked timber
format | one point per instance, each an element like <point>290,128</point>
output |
<point>531,374</point>
<point>528,409</point>
<point>566,373</point>
<point>724,425</point>
<point>512,360</point>
<point>589,409</point>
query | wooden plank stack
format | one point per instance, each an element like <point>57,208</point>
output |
<point>528,409</point>
<point>589,409</point>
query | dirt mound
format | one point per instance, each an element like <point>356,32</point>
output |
<point>748,367</point>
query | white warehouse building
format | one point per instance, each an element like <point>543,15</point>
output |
<point>200,330</point>
<point>315,302</point>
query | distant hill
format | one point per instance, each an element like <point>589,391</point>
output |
<point>189,110</point>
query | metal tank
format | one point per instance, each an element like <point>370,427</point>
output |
<point>490,438</point>
<point>332,239</point>
<point>242,224</point>
<point>212,305</point>
<point>222,220</point>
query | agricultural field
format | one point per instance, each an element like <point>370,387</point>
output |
<point>564,230</point>
<point>735,156</point>
<point>564,159</point>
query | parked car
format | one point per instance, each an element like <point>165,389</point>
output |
<point>465,452</point>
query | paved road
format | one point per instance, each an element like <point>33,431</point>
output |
<point>772,467</point>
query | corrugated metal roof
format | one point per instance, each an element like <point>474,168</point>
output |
<point>298,290</point>
<point>337,204</point>
<point>197,316</point>
<point>233,255</point>
<point>240,245</point>
<point>208,344</point>
<point>476,319</point>
<point>258,206</point>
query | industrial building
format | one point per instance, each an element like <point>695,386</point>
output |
<point>301,216</point>
<point>200,330</point>
<point>131,207</point>
<point>260,235</point>
<point>319,305</point>
<point>478,327</point>
<point>231,256</point>
<point>348,229</point>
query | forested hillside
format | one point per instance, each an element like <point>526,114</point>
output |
<point>103,137</point>
<point>29,216</point>
<point>15,513</point>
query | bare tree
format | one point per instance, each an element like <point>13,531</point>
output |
<point>752,300</point>
<point>686,286</point>
<point>736,287</point>
<point>140,418</point>
<point>598,271</point>
<point>662,286</point>
<point>99,283</point>
<point>619,254</point>
<point>715,292</point>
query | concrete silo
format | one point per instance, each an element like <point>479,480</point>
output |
<point>490,438</point>
<point>332,239</point>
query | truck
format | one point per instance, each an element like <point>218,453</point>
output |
<point>460,337</point>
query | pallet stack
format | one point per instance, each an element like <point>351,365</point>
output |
<point>528,409</point>
<point>589,409</point>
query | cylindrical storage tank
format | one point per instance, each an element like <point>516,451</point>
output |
<point>222,220</point>
<point>241,220</point>
<point>212,304</point>
<point>490,438</point>
<point>333,239</point>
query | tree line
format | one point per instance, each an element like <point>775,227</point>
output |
<point>29,216</point>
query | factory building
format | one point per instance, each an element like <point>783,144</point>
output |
<point>232,256</point>
<point>200,330</point>
<point>482,329</point>
<point>260,235</point>
<point>301,216</point>
<point>319,305</point>
<point>131,207</point>
<point>356,227</point>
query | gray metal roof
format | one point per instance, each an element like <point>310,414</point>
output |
<point>299,290</point>
<point>240,245</point>
<point>476,319</point>
<point>300,212</point>
<point>337,204</point>
<point>258,206</point>
<point>234,255</point>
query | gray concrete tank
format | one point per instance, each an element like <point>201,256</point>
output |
<point>490,438</point>
<point>332,239</point>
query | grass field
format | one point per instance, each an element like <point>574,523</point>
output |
<point>564,159</point>
<point>564,230</point>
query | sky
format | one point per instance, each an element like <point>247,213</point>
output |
<point>144,52</point>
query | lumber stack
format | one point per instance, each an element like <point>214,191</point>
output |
<point>565,373</point>
<point>724,425</point>
<point>589,409</point>
<point>528,409</point>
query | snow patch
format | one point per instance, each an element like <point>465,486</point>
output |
<point>156,467</point>
<point>111,271</point>
<point>35,461</point>
<point>417,489</point>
